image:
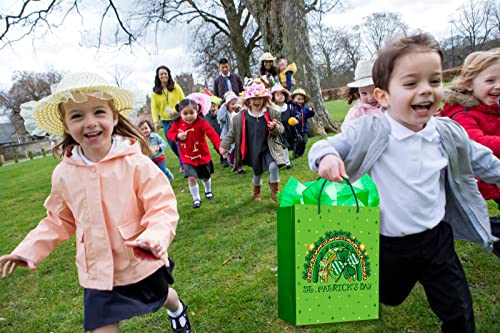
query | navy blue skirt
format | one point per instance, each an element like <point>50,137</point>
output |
<point>105,307</point>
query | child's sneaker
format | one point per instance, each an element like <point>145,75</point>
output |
<point>181,324</point>
<point>170,175</point>
<point>241,171</point>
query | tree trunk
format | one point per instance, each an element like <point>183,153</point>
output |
<point>285,34</point>
<point>236,36</point>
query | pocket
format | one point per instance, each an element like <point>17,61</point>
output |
<point>130,230</point>
<point>81,255</point>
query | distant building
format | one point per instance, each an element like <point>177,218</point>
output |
<point>7,132</point>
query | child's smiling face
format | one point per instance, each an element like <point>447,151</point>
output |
<point>189,114</point>
<point>91,125</point>
<point>414,90</point>
<point>299,99</point>
<point>366,96</point>
<point>145,129</point>
<point>279,97</point>
<point>486,85</point>
<point>256,103</point>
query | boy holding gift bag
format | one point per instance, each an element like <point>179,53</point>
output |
<point>424,169</point>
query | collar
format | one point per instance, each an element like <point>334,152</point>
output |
<point>118,145</point>
<point>228,74</point>
<point>399,132</point>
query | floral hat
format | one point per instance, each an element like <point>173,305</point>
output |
<point>279,87</point>
<point>255,90</point>
<point>301,92</point>
<point>203,100</point>
<point>267,56</point>
<point>77,87</point>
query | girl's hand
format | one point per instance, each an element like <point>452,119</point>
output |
<point>272,124</point>
<point>332,168</point>
<point>150,249</point>
<point>8,264</point>
<point>181,136</point>
<point>222,151</point>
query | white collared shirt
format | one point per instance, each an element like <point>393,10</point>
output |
<point>410,180</point>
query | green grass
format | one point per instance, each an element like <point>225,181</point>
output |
<point>337,109</point>
<point>224,253</point>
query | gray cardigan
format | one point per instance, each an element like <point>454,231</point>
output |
<point>367,138</point>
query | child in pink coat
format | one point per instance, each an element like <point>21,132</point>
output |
<point>361,90</point>
<point>109,193</point>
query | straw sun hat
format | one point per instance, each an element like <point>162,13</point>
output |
<point>77,87</point>
<point>300,92</point>
<point>363,74</point>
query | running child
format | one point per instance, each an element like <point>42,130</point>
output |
<point>112,196</point>
<point>424,169</point>
<point>190,131</point>
<point>303,112</point>
<point>157,146</point>
<point>472,101</point>
<point>288,119</point>
<point>255,131</point>
<point>361,91</point>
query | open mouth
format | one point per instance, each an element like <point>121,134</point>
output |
<point>92,135</point>
<point>422,107</point>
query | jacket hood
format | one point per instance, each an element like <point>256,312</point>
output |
<point>454,96</point>
<point>125,146</point>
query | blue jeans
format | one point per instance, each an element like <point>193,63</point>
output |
<point>163,167</point>
<point>173,145</point>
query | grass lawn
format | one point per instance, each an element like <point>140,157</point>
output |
<point>224,254</point>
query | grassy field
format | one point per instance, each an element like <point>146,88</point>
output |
<point>224,254</point>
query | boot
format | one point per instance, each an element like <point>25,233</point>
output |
<point>274,190</point>
<point>257,196</point>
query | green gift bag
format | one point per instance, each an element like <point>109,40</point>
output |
<point>328,252</point>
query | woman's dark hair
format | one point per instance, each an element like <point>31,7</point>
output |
<point>263,69</point>
<point>145,121</point>
<point>158,87</point>
<point>187,102</point>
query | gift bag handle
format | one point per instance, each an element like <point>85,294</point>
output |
<point>348,183</point>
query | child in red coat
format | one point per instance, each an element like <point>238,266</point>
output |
<point>190,131</point>
<point>473,103</point>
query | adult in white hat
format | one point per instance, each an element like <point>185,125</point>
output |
<point>361,90</point>
<point>268,72</point>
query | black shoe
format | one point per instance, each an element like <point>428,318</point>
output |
<point>181,324</point>
<point>289,166</point>
<point>209,196</point>
<point>241,171</point>
<point>197,203</point>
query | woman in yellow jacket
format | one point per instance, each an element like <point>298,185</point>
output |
<point>166,94</point>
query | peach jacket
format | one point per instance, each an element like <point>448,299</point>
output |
<point>125,196</point>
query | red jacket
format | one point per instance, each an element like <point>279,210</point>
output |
<point>482,123</point>
<point>194,150</point>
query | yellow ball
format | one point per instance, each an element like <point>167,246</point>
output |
<point>292,121</point>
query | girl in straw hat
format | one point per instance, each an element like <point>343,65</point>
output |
<point>123,213</point>
<point>255,132</point>
<point>361,90</point>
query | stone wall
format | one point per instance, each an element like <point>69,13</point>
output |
<point>9,151</point>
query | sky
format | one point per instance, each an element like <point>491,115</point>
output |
<point>68,48</point>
